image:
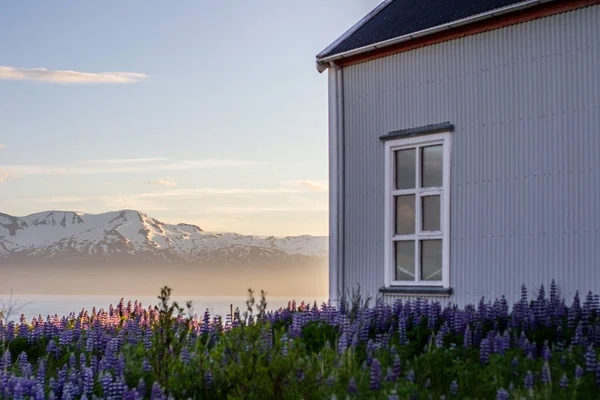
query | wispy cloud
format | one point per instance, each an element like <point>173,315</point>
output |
<point>179,194</point>
<point>163,182</point>
<point>120,167</point>
<point>100,203</point>
<point>2,146</point>
<point>262,210</point>
<point>205,192</point>
<point>313,186</point>
<point>46,75</point>
<point>123,160</point>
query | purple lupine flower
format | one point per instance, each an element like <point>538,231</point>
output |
<point>571,317</point>
<point>105,382</point>
<point>454,387</point>
<point>62,377</point>
<point>397,367</point>
<point>393,396</point>
<point>559,333</point>
<point>540,306</point>
<point>157,392</point>
<point>484,351</point>
<point>141,387</point>
<point>296,329</point>
<point>533,349</point>
<point>502,394</point>
<point>39,393</point>
<point>402,329</point>
<point>553,292</point>
<point>68,391</point>
<point>546,376</point>
<point>411,376</point>
<point>116,389</point>
<point>120,365</point>
<point>146,367</point>
<point>546,352</point>
<point>389,375</point>
<point>24,366</point>
<point>451,319</point>
<point>375,375</point>
<point>342,343</point>
<point>205,326</point>
<point>594,335</point>
<point>185,355</point>
<point>41,373</point>
<point>439,340</point>
<point>208,379</point>
<point>564,382</point>
<point>330,381</point>
<point>590,360</point>
<point>88,381</point>
<point>432,317</point>
<point>18,392</point>
<point>477,335</point>
<point>528,381</point>
<point>498,342</point>
<point>352,389</point>
<point>468,337</point>
<point>94,364</point>
<point>578,338</point>
<point>53,384</point>
<point>578,372</point>
<point>90,341</point>
<point>284,346</point>
<point>427,384</point>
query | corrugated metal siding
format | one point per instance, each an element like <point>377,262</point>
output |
<point>526,154</point>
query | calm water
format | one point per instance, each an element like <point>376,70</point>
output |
<point>32,305</point>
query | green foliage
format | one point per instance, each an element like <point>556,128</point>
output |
<point>170,335</point>
<point>316,334</point>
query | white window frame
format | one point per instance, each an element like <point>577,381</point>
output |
<point>443,138</point>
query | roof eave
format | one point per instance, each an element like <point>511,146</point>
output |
<point>325,62</point>
<point>354,28</point>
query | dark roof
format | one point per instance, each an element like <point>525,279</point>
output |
<point>403,17</point>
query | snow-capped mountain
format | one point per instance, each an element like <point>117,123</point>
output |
<point>134,236</point>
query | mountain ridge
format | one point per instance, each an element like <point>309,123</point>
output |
<point>135,236</point>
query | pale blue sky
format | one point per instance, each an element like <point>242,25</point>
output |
<point>227,131</point>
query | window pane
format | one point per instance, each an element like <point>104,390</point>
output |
<point>405,169</point>
<point>405,261</point>
<point>431,260</point>
<point>431,161</point>
<point>405,214</point>
<point>431,213</point>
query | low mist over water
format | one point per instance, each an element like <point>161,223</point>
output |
<point>290,280</point>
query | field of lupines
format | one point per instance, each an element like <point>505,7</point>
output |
<point>542,348</point>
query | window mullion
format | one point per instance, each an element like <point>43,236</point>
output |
<point>417,260</point>
<point>418,218</point>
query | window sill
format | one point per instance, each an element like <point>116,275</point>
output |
<point>417,290</point>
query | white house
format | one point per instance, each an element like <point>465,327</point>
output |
<point>465,149</point>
